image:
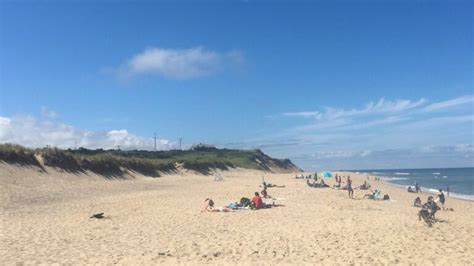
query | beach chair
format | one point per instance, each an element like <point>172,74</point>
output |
<point>375,195</point>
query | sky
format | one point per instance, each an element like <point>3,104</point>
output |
<point>330,85</point>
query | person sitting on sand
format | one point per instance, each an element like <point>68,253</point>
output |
<point>369,195</point>
<point>256,201</point>
<point>373,194</point>
<point>417,202</point>
<point>265,194</point>
<point>364,186</point>
<point>210,207</point>
<point>314,184</point>
<point>409,189</point>
<point>209,204</point>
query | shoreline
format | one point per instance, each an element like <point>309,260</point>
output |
<point>425,190</point>
<point>429,190</point>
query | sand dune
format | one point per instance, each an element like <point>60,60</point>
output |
<point>45,219</point>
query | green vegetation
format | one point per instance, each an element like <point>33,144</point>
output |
<point>113,163</point>
<point>17,154</point>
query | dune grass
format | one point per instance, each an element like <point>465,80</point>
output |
<point>114,163</point>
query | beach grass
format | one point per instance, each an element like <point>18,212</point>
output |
<point>115,163</point>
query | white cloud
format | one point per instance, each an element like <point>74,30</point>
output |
<point>32,132</point>
<point>468,99</point>
<point>178,63</point>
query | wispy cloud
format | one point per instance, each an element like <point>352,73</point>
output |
<point>178,63</point>
<point>468,99</point>
<point>314,114</point>
<point>379,107</point>
<point>33,132</point>
<point>382,112</point>
<point>383,130</point>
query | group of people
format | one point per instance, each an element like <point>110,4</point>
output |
<point>428,209</point>
<point>255,203</point>
<point>316,184</point>
<point>348,185</point>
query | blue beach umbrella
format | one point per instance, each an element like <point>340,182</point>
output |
<point>326,174</point>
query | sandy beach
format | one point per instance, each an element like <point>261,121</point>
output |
<point>45,219</point>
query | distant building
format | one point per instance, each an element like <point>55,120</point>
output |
<point>203,147</point>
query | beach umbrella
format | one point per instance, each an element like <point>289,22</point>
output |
<point>326,174</point>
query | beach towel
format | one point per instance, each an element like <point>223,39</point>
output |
<point>232,205</point>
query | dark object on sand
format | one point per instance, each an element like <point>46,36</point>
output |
<point>244,202</point>
<point>98,215</point>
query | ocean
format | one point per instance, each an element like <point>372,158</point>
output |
<point>459,180</point>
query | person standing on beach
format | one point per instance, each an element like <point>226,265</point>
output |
<point>447,190</point>
<point>349,187</point>
<point>441,197</point>
<point>417,187</point>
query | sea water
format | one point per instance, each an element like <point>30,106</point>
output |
<point>459,180</point>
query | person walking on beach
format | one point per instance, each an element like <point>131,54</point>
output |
<point>349,187</point>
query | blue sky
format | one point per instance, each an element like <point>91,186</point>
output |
<point>352,84</point>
